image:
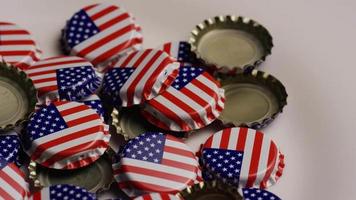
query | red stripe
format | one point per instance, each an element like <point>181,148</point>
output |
<point>13,183</point>
<point>153,78</point>
<point>255,158</point>
<point>147,197</point>
<point>128,59</point>
<point>149,172</point>
<point>242,135</point>
<point>132,87</point>
<point>37,196</point>
<point>17,42</point>
<point>17,170</point>
<point>114,51</point>
<point>43,147</point>
<point>153,119</point>
<point>200,101</point>
<point>5,195</point>
<point>212,79</point>
<point>6,23</point>
<point>205,88</point>
<point>177,164</point>
<point>73,110</point>
<point>272,159</point>
<point>74,150</point>
<point>208,143</point>
<point>15,53</point>
<point>59,103</point>
<point>114,21</point>
<point>53,64</point>
<point>189,110</point>
<point>169,114</point>
<point>90,7</point>
<point>169,80</point>
<point>146,186</point>
<point>167,48</point>
<point>45,80</point>
<point>82,162</point>
<point>105,40</point>
<point>225,136</point>
<point>40,73</point>
<point>22,66</point>
<point>82,120</point>
<point>14,32</point>
<point>44,90</point>
<point>177,151</point>
<point>103,12</point>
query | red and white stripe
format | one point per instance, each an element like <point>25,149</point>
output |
<point>158,196</point>
<point>83,142</point>
<point>154,71</point>
<point>177,170</point>
<point>171,48</point>
<point>260,154</point>
<point>12,183</point>
<point>43,194</point>
<point>17,46</point>
<point>195,106</point>
<point>44,76</point>
<point>117,30</point>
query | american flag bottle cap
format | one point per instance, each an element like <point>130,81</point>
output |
<point>17,46</point>
<point>257,194</point>
<point>10,148</point>
<point>154,162</point>
<point>100,32</point>
<point>243,157</point>
<point>12,179</point>
<point>66,135</point>
<point>194,100</point>
<point>17,99</point>
<point>63,191</point>
<point>139,76</point>
<point>65,77</point>
<point>158,196</point>
<point>180,50</point>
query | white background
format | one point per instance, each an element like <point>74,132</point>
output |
<point>314,53</point>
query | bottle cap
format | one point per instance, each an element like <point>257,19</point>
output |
<point>63,191</point>
<point>66,135</point>
<point>130,123</point>
<point>139,76</point>
<point>180,50</point>
<point>95,177</point>
<point>243,157</point>
<point>231,42</point>
<point>252,99</point>
<point>17,97</point>
<point>257,194</point>
<point>17,47</point>
<point>99,33</point>
<point>12,179</point>
<point>194,100</point>
<point>211,190</point>
<point>154,162</point>
<point>158,196</point>
<point>64,77</point>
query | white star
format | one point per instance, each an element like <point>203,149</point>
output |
<point>155,160</point>
<point>144,158</point>
<point>139,152</point>
<point>159,141</point>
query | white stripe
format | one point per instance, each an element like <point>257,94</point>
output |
<point>110,44</point>
<point>129,176</point>
<point>54,67</point>
<point>68,106</point>
<point>17,58</point>
<point>207,82</point>
<point>92,97</point>
<point>10,190</point>
<point>178,145</point>
<point>96,9</point>
<point>180,158</point>
<point>263,160</point>
<point>38,77</point>
<point>146,77</point>
<point>180,112</point>
<point>45,194</point>
<point>216,140</point>
<point>132,61</point>
<point>108,17</point>
<point>174,49</point>
<point>134,75</point>
<point>59,59</point>
<point>194,89</point>
<point>23,47</point>
<point>15,37</point>
<point>77,115</point>
<point>62,133</point>
<point>19,179</point>
<point>245,168</point>
<point>158,167</point>
<point>9,27</point>
<point>49,152</point>
<point>100,36</point>
<point>45,84</point>
<point>140,198</point>
<point>233,138</point>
